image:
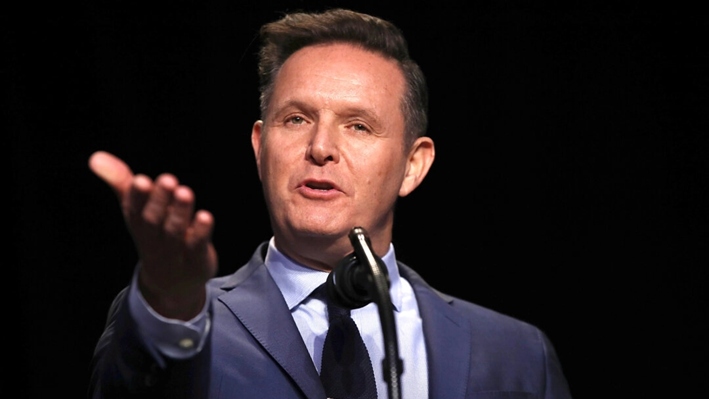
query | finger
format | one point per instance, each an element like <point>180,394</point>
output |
<point>179,214</point>
<point>200,240</point>
<point>138,196</point>
<point>156,207</point>
<point>112,170</point>
<point>202,227</point>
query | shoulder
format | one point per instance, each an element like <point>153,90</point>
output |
<point>485,324</point>
<point>504,354</point>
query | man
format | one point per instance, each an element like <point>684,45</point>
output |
<point>341,138</point>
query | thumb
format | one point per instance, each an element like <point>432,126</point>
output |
<point>111,170</point>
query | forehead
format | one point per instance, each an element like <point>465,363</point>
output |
<point>341,72</point>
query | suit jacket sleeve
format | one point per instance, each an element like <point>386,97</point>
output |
<point>123,366</point>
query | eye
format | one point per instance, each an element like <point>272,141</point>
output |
<point>360,127</point>
<point>295,120</point>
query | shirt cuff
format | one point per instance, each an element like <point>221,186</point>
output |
<point>175,339</point>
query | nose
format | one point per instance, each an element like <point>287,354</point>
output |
<point>324,144</point>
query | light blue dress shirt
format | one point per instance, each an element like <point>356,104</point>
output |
<point>180,339</point>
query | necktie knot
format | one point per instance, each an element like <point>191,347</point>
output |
<point>336,312</point>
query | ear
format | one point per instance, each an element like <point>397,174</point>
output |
<point>420,160</point>
<point>256,144</point>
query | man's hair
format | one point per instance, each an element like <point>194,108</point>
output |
<point>282,38</point>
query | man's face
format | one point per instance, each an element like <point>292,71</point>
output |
<point>331,153</point>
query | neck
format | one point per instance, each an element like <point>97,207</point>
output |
<point>323,253</point>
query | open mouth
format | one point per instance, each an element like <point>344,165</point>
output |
<point>319,186</point>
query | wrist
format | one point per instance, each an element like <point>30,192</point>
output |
<point>173,301</point>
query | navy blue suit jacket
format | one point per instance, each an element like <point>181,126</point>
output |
<point>255,350</point>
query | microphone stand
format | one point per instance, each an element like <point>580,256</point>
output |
<point>359,279</point>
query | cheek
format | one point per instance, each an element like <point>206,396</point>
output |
<point>381,183</point>
<point>277,159</point>
<point>272,171</point>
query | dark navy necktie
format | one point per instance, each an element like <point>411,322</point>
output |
<point>346,371</point>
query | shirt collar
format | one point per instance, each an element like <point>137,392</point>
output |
<point>296,282</point>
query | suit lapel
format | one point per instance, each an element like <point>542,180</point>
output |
<point>257,302</point>
<point>448,333</point>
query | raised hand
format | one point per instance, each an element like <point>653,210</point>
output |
<point>173,241</point>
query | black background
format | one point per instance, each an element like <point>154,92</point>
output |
<point>569,190</point>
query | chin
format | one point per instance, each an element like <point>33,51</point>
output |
<point>319,242</point>
<point>321,232</point>
<point>320,235</point>
<point>324,224</point>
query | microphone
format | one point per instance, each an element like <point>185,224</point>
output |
<point>360,278</point>
<point>352,283</point>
